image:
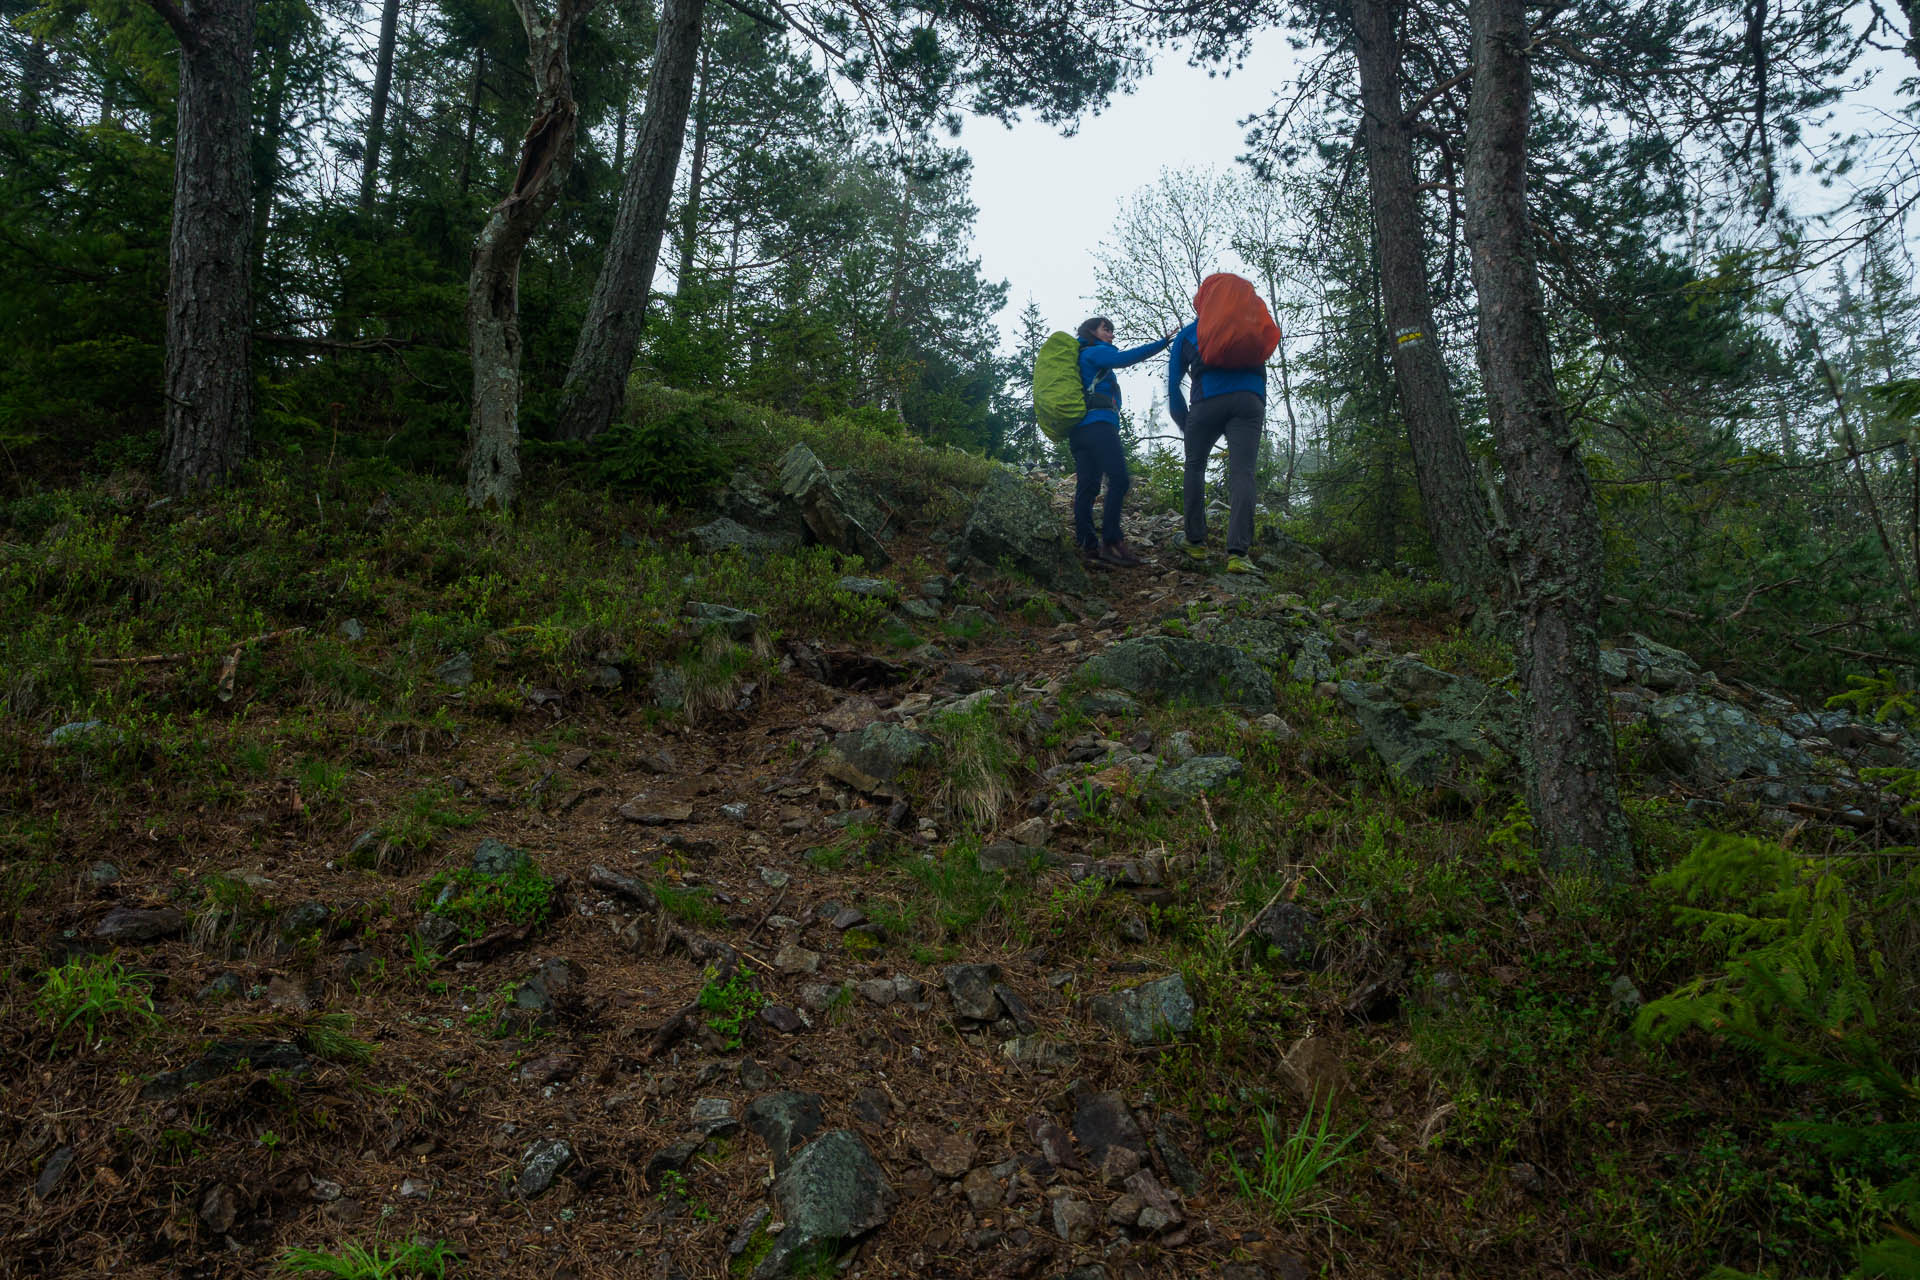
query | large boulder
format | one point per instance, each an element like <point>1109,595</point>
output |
<point>1648,663</point>
<point>1011,523</point>
<point>1190,671</point>
<point>831,1192</point>
<point>825,509</point>
<point>1432,726</point>
<point>1716,742</point>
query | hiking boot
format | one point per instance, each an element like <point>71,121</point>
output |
<point>1090,556</point>
<point>1195,551</point>
<point>1120,555</point>
<point>1240,564</point>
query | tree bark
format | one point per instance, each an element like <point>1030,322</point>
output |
<point>493,288</point>
<point>1553,553</point>
<point>696,176</point>
<point>596,384</point>
<point>1457,519</point>
<point>209,420</point>
<point>377,111</point>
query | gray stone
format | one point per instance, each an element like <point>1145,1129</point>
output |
<point>883,751</point>
<point>1313,660</point>
<point>878,990</point>
<point>1150,1013</point>
<point>224,1057</point>
<point>824,508</point>
<point>735,624</point>
<point>1174,668</point>
<point>832,1191</point>
<point>869,589</point>
<point>714,1117</point>
<point>727,534</point>
<point>1012,523</point>
<point>1074,1219</point>
<point>1179,1168</point>
<point>1002,856</point>
<point>784,1120</point>
<point>1715,742</point>
<point>983,1190</point>
<point>749,1228</point>
<point>821,996</point>
<point>1292,931</point>
<point>668,688</point>
<point>223,986</point>
<point>1157,1212</point>
<point>920,611</point>
<point>672,1159</point>
<point>972,988</point>
<point>794,958</point>
<point>140,924</point>
<point>101,874</point>
<point>493,858</point>
<point>783,1018</point>
<point>1431,726</point>
<point>540,1164</point>
<point>1202,775</point>
<point>1042,1055</point>
<point>1109,702</point>
<point>53,1171</point>
<point>80,733</point>
<point>1101,1121</point>
<point>352,630</point>
<point>456,671</point>
<point>303,919</point>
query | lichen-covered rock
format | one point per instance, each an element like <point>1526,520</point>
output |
<point>884,751</point>
<point>1149,1013</point>
<point>1175,668</point>
<point>1716,742</point>
<point>828,515</point>
<point>1199,776</point>
<point>1011,523</point>
<point>831,1192</point>
<point>1430,726</point>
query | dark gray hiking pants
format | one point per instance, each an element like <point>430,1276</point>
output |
<point>1237,415</point>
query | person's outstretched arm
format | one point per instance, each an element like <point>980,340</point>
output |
<point>1108,356</point>
<point>1177,375</point>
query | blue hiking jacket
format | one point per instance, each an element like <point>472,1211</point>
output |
<point>1207,383</point>
<point>1098,360</point>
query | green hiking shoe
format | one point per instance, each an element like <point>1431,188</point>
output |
<point>1197,554</point>
<point>1240,564</point>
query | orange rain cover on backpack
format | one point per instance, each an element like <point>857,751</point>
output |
<point>1236,331</point>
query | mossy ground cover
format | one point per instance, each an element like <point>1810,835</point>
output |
<point>1493,1108</point>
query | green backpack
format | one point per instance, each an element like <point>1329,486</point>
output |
<point>1059,401</point>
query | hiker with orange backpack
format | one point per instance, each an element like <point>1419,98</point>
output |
<point>1095,442</point>
<point>1224,351</point>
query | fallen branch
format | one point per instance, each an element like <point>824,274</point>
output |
<point>155,659</point>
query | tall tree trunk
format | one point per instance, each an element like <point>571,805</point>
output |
<point>696,176</point>
<point>1553,553</point>
<point>209,422</point>
<point>1456,514</point>
<point>473,120</point>
<point>596,383</point>
<point>36,73</point>
<point>266,159</point>
<point>377,111</point>
<point>493,289</point>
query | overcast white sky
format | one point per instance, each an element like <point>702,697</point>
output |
<point>1177,118</point>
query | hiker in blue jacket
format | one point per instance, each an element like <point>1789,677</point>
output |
<point>1095,442</point>
<point>1226,402</point>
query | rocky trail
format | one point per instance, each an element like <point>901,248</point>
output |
<point>756,1031</point>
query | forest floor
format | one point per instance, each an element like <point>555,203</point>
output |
<point>713,912</point>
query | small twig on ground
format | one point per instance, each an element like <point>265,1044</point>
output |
<point>778,898</point>
<point>1289,889</point>
<point>154,659</point>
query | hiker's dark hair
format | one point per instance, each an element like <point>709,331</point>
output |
<point>1090,329</point>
